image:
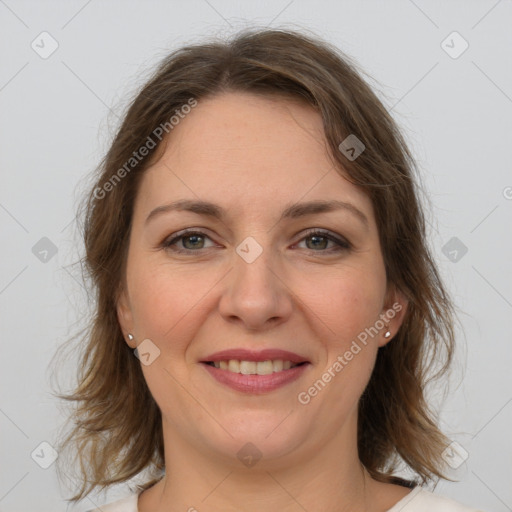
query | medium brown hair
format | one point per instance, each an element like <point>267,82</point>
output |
<point>117,425</point>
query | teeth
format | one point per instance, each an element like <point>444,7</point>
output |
<point>247,367</point>
<point>277,365</point>
<point>264,368</point>
<point>253,367</point>
<point>234,366</point>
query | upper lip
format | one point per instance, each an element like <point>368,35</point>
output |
<point>242,354</point>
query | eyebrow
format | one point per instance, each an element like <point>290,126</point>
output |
<point>292,211</point>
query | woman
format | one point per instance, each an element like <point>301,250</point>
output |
<point>268,312</point>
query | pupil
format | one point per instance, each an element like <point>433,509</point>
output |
<point>193,238</point>
<point>322,238</point>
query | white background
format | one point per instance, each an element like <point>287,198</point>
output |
<point>59,113</point>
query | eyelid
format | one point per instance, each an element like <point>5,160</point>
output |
<point>342,242</point>
<point>174,237</point>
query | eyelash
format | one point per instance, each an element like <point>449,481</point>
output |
<point>343,245</point>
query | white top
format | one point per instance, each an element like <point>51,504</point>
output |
<point>418,500</point>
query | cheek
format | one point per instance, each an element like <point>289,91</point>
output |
<point>168,303</point>
<point>166,306</point>
<point>346,302</point>
<point>348,307</point>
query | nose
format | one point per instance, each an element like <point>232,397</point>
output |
<point>256,294</point>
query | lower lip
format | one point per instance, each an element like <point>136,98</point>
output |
<point>255,383</point>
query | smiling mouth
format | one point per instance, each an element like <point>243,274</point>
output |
<point>254,368</point>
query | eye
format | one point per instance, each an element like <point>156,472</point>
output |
<point>190,240</point>
<point>193,240</point>
<point>319,240</point>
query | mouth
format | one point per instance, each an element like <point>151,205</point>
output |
<point>255,372</point>
<point>254,367</point>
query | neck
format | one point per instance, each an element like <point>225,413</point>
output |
<point>329,478</point>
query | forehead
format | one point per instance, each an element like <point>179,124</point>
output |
<point>242,150</point>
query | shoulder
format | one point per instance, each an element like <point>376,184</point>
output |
<point>421,500</point>
<point>128,504</point>
<point>418,500</point>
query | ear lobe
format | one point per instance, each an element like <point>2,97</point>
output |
<point>125,318</point>
<point>393,313</point>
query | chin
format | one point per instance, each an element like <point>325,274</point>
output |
<point>262,437</point>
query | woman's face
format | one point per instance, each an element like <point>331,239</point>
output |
<point>254,277</point>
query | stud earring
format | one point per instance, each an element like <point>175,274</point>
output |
<point>130,336</point>
<point>387,334</point>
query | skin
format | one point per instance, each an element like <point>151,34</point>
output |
<point>254,156</point>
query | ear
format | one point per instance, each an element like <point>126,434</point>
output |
<point>125,317</point>
<point>393,313</point>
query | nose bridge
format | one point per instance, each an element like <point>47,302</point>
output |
<point>254,295</point>
<point>253,263</point>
